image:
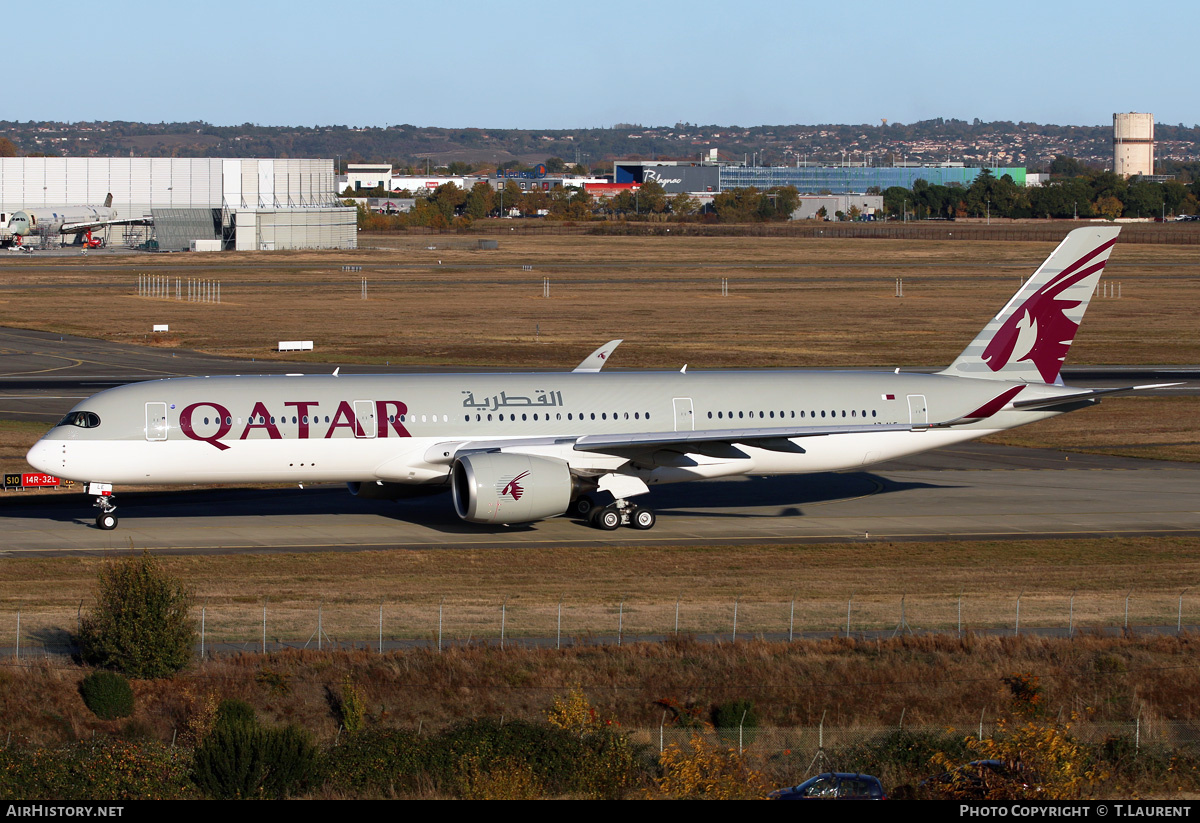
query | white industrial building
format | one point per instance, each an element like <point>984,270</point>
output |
<point>248,204</point>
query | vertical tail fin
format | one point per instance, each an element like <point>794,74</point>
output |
<point>108,201</point>
<point>1028,340</point>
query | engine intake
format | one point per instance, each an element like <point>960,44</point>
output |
<point>493,487</point>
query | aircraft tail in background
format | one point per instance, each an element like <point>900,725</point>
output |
<point>1028,340</point>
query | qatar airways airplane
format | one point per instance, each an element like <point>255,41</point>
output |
<point>515,448</point>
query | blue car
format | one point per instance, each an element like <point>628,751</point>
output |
<point>834,786</point>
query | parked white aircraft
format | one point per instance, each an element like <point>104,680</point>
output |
<point>78,220</point>
<point>514,448</point>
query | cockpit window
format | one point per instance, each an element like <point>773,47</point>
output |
<point>82,419</point>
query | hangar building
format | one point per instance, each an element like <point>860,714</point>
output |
<point>247,204</point>
<point>692,176</point>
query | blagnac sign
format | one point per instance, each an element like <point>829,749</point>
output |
<point>651,176</point>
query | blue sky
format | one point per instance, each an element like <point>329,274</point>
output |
<point>567,65</point>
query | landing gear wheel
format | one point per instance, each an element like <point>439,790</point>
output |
<point>106,521</point>
<point>607,519</point>
<point>583,506</point>
<point>642,519</point>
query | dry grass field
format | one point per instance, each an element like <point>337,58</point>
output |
<point>639,588</point>
<point>792,302</point>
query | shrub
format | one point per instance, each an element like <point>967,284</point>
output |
<point>107,694</point>
<point>508,779</point>
<point>140,623</point>
<point>291,761</point>
<point>704,771</point>
<point>555,756</point>
<point>93,771</point>
<point>352,707</point>
<point>239,759</point>
<point>727,718</point>
<point>610,758</point>
<point>235,713</point>
<point>376,763</point>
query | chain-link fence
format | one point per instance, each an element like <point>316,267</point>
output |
<point>519,621</point>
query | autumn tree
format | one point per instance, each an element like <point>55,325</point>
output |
<point>140,624</point>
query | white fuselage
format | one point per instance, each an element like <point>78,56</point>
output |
<point>407,428</point>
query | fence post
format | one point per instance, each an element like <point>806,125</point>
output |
<point>503,621</point>
<point>735,610</point>
<point>203,615</point>
<point>1017,625</point>
<point>1071,619</point>
<point>18,635</point>
<point>661,723</point>
<point>558,636</point>
<point>381,625</point>
<point>960,594</point>
<point>792,619</point>
<point>741,726</point>
<point>677,599</point>
<point>1179,618</point>
<point>620,621</point>
<point>848,602</point>
<point>1127,596</point>
<point>264,627</point>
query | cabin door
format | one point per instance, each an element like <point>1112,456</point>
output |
<point>364,419</point>
<point>156,421</point>
<point>918,413</point>
<point>685,421</point>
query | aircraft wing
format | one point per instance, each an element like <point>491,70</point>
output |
<point>720,442</point>
<point>595,361</point>
<point>712,442</point>
<point>76,228</point>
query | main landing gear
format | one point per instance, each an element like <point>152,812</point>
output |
<point>614,515</point>
<point>106,520</point>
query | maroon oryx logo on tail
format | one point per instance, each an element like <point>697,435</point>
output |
<point>514,488</point>
<point>1039,327</point>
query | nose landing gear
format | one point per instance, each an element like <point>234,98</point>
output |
<point>106,520</point>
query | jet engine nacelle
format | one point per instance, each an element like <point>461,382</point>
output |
<point>378,490</point>
<point>493,487</point>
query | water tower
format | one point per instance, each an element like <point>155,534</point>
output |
<point>1133,144</point>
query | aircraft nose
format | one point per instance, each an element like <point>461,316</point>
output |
<point>45,457</point>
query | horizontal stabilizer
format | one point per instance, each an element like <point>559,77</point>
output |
<point>1089,394</point>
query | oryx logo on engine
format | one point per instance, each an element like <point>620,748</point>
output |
<point>514,489</point>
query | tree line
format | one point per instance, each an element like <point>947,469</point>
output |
<point>1074,192</point>
<point>449,206</point>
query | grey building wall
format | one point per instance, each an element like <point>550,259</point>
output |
<point>140,185</point>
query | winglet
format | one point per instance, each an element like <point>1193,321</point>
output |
<point>595,361</point>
